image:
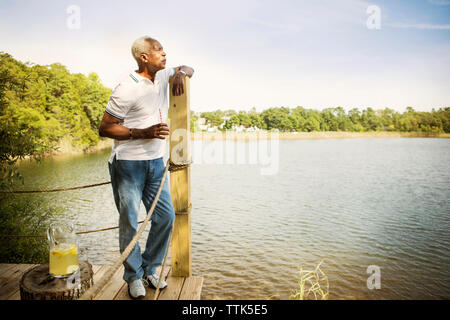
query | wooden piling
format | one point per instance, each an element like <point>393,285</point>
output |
<point>180,151</point>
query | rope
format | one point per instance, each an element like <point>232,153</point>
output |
<point>172,167</point>
<point>91,292</point>
<point>44,236</point>
<point>55,190</point>
<point>178,166</point>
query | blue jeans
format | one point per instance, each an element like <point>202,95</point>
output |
<point>134,181</point>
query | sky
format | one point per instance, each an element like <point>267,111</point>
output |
<point>252,53</point>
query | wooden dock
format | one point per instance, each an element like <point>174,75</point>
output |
<point>178,288</point>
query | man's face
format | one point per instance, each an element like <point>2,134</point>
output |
<point>156,57</point>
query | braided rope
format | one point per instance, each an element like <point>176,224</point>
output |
<point>55,190</point>
<point>179,165</point>
<point>44,236</point>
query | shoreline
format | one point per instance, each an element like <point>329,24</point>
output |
<point>66,148</point>
<point>263,135</point>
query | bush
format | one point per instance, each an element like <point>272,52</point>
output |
<point>23,215</point>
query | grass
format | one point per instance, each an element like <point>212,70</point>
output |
<point>312,284</point>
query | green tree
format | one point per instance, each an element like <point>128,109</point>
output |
<point>370,121</point>
<point>213,118</point>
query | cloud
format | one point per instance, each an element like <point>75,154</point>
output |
<point>292,16</point>
<point>421,26</point>
<point>272,25</point>
<point>440,2</point>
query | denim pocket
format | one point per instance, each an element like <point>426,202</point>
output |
<point>158,166</point>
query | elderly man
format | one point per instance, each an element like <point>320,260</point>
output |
<point>135,118</point>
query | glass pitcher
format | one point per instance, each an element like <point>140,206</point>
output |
<point>63,247</point>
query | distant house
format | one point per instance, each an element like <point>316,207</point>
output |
<point>253,129</point>
<point>201,121</point>
<point>224,122</point>
<point>202,126</point>
<point>212,129</point>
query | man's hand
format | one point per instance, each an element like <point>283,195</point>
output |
<point>178,84</point>
<point>159,131</point>
<point>178,79</point>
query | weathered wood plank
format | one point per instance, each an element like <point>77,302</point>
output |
<point>112,288</point>
<point>10,272</point>
<point>9,287</point>
<point>173,289</point>
<point>192,288</point>
<point>6,267</point>
<point>100,272</point>
<point>96,268</point>
<point>15,295</point>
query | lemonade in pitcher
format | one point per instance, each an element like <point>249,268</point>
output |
<point>63,260</point>
<point>63,250</point>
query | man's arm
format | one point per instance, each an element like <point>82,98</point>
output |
<point>189,71</point>
<point>178,79</point>
<point>110,127</point>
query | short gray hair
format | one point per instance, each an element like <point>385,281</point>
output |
<point>141,45</point>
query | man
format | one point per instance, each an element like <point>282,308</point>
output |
<point>135,118</point>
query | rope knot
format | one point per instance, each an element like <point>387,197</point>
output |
<point>179,165</point>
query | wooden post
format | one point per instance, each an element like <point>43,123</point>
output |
<point>180,181</point>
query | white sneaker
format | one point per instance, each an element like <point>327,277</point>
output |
<point>153,280</point>
<point>136,289</point>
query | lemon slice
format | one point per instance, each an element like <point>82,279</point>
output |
<point>58,253</point>
<point>72,268</point>
<point>61,253</point>
<point>73,251</point>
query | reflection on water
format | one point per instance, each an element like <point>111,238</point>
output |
<point>349,202</point>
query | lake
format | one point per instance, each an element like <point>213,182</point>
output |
<point>350,203</point>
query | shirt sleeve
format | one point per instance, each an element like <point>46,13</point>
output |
<point>120,101</point>
<point>167,73</point>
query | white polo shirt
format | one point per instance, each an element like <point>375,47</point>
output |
<point>140,103</point>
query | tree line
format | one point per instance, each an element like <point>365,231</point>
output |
<point>330,119</point>
<point>42,105</point>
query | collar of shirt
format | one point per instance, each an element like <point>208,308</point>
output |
<point>139,78</point>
